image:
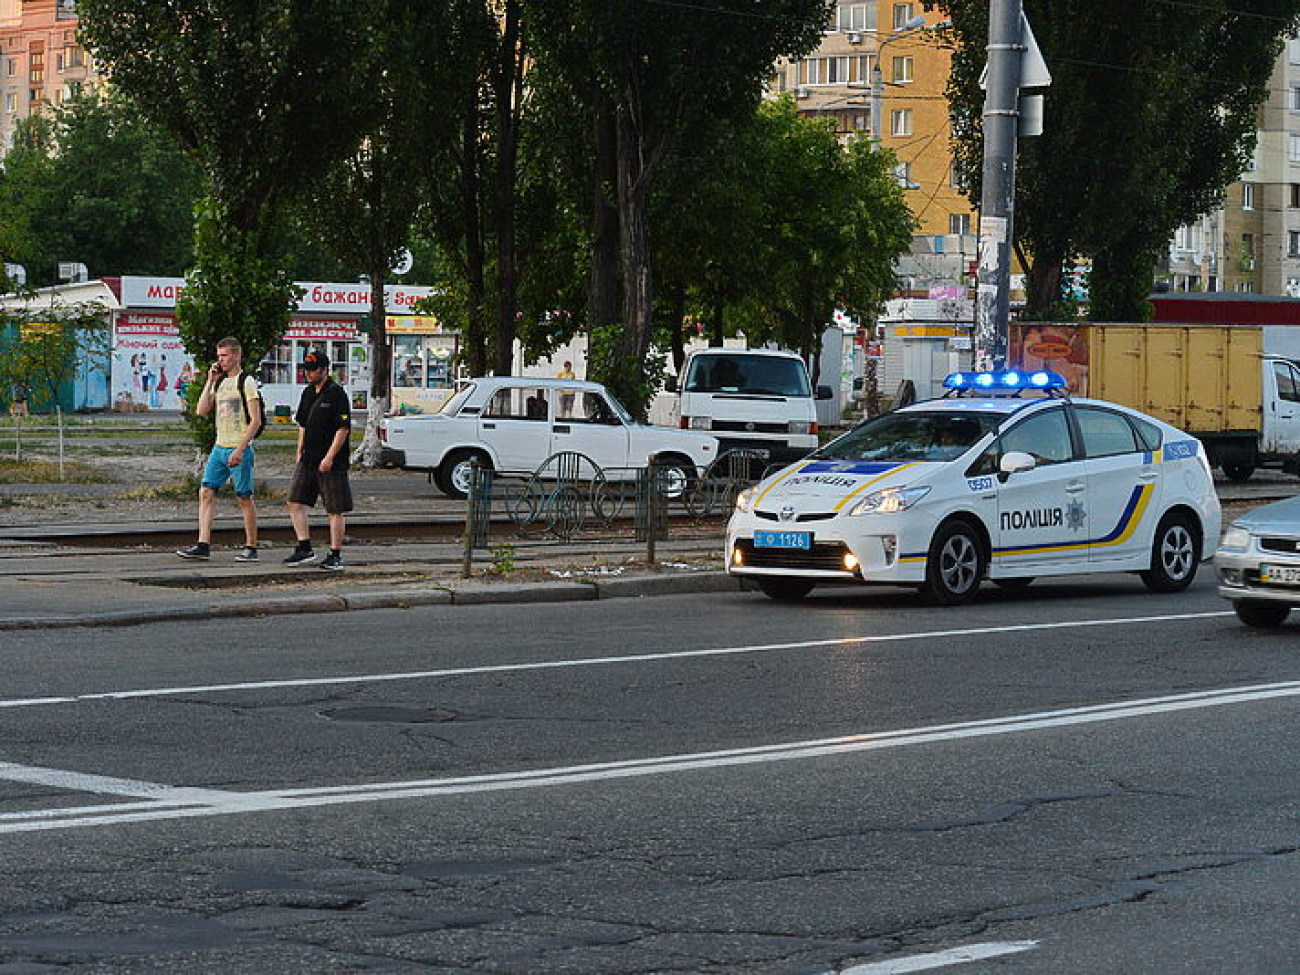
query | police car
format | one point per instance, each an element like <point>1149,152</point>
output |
<point>1005,477</point>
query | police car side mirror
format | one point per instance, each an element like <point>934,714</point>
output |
<point>1017,462</point>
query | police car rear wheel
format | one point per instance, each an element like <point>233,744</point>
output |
<point>1175,555</point>
<point>955,565</point>
<point>786,590</point>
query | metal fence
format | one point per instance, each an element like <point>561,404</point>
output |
<point>569,495</point>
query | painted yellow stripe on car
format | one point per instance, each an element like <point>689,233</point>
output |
<point>875,480</point>
<point>790,473</point>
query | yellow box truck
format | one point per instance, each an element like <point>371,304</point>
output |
<point>1220,383</point>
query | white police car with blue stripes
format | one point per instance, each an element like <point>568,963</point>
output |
<point>1005,478</point>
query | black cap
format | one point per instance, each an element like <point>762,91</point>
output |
<point>315,360</point>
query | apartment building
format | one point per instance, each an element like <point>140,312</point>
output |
<point>838,81</point>
<point>1252,244</point>
<point>41,62</point>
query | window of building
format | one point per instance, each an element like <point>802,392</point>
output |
<point>856,17</point>
<point>901,121</point>
<point>1293,243</point>
<point>58,62</point>
<point>76,57</point>
<point>959,223</point>
<point>1295,98</point>
<point>36,67</point>
<point>1295,196</point>
<point>903,173</point>
<point>1293,148</point>
<point>1293,50</point>
<point>903,12</point>
<point>840,70</point>
<point>1248,196</point>
<point>903,68</point>
<point>12,68</point>
<point>11,102</point>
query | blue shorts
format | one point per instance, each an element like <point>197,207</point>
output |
<point>218,471</point>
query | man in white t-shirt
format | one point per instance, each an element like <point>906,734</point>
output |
<point>238,418</point>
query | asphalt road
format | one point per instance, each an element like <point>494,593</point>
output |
<point>1070,780</point>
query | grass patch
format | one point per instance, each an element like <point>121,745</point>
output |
<point>187,489</point>
<point>47,472</point>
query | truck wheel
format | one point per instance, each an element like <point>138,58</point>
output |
<point>454,473</point>
<point>1175,554</point>
<point>785,589</point>
<point>1238,473</point>
<point>1266,616</point>
<point>955,564</point>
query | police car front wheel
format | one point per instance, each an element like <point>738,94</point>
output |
<point>955,564</point>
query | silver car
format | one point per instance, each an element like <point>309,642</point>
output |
<point>1258,563</point>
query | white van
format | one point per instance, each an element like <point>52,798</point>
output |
<point>757,399</point>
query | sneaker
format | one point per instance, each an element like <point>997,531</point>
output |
<point>249,554</point>
<point>300,556</point>
<point>198,551</point>
<point>332,561</point>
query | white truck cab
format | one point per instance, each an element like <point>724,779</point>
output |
<point>761,400</point>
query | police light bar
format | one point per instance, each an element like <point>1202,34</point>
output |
<point>1005,379</point>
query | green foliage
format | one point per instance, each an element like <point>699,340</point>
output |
<point>503,559</point>
<point>1151,113</point>
<point>95,182</point>
<point>639,381</point>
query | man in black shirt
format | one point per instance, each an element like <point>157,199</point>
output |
<point>324,421</point>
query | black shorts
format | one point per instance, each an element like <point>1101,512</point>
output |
<point>309,483</point>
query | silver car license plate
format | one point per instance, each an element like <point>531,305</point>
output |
<point>1280,575</point>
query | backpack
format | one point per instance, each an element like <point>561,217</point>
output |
<point>243,399</point>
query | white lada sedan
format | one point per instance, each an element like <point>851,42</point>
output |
<point>1004,478</point>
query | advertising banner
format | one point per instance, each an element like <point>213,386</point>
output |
<point>150,368</point>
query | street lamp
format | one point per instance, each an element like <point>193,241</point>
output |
<point>878,77</point>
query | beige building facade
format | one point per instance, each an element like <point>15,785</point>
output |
<point>41,63</point>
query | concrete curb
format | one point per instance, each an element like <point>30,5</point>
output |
<point>471,594</point>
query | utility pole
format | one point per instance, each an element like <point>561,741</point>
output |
<point>997,199</point>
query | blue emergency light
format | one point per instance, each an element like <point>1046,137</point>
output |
<point>1005,379</point>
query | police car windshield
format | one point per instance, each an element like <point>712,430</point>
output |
<point>909,436</point>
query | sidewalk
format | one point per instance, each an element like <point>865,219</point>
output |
<point>51,577</point>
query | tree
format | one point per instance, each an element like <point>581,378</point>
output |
<point>649,73</point>
<point>94,182</point>
<point>1146,125</point>
<point>264,95</point>
<point>829,221</point>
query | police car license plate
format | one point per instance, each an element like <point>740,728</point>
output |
<point>1280,575</point>
<point>782,539</point>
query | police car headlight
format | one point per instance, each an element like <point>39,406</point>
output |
<point>889,501</point>
<point>745,499</point>
<point>1235,539</point>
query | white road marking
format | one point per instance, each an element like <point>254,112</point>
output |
<point>539,665</point>
<point>202,803</point>
<point>941,959</point>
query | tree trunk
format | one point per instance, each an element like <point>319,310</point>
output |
<point>1043,286</point>
<point>602,288</point>
<point>381,370</point>
<point>634,248</point>
<point>474,342</point>
<point>716,327</point>
<point>507,81</point>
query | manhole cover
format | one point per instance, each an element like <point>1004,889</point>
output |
<point>392,713</point>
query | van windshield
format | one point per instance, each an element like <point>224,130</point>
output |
<point>754,374</point>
